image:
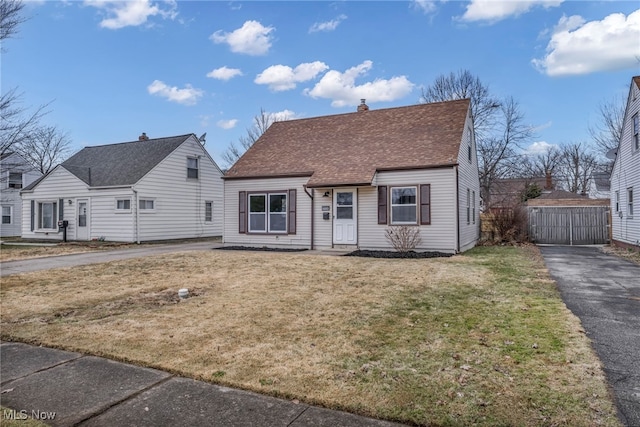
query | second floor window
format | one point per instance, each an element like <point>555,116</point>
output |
<point>15,180</point>
<point>636,131</point>
<point>192,167</point>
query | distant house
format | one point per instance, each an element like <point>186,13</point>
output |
<point>341,181</point>
<point>150,189</point>
<point>625,177</point>
<point>15,174</point>
<point>599,185</point>
<point>508,193</point>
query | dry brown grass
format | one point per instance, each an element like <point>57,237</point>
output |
<point>478,339</point>
<point>18,252</point>
<point>631,255</point>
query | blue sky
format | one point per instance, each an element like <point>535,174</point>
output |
<point>114,69</point>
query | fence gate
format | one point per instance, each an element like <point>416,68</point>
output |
<point>585,225</point>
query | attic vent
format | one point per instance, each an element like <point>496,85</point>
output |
<point>143,137</point>
<point>363,107</point>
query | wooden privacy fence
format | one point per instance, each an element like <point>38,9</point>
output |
<point>583,225</point>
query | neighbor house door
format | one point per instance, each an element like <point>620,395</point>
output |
<point>82,221</point>
<point>345,230</point>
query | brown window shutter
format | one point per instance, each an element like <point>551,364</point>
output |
<point>382,204</point>
<point>425,204</point>
<point>291,205</point>
<point>33,215</point>
<point>242,212</point>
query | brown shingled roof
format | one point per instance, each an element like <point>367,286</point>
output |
<point>347,149</point>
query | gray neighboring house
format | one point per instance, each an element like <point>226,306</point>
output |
<point>144,190</point>
<point>15,174</point>
<point>599,185</point>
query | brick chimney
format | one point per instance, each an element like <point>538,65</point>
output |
<point>363,107</point>
<point>549,182</point>
<point>143,137</point>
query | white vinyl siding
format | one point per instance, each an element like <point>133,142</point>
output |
<point>232,236</point>
<point>468,179</point>
<point>625,176</point>
<point>440,235</point>
<point>177,201</point>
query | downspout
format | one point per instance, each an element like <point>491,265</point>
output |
<point>137,216</point>
<point>457,210</point>
<point>304,186</point>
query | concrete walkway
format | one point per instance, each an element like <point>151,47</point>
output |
<point>604,292</point>
<point>63,388</point>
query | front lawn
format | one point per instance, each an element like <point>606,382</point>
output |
<point>481,338</point>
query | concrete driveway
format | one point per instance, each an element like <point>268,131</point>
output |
<point>604,292</point>
<point>72,260</point>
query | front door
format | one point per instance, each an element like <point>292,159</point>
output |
<point>345,230</point>
<point>82,221</point>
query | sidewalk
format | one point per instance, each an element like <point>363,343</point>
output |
<point>63,388</point>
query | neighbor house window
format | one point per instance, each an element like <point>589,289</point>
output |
<point>15,179</point>
<point>473,207</point>
<point>268,212</point>
<point>469,145</point>
<point>48,215</point>
<point>617,201</point>
<point>6,214</point>
<point>404,205</point>
<point>146,204</point>
<point>208,211</point>
<point>192,167</point>
<point>630,201</point>
<point>123,204</point>
<point>468,206</point>
<point>636,131</point>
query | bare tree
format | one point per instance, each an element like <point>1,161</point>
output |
<point>260,125</point>
<point>576,167</point>
<point>607,132</point>
<point>538,165</point>
<point>10,18</point>
<point>45,147</point>
<point>15,123</point>
<point>498,124</point>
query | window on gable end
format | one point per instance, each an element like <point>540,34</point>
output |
<point>192,167</point>
<point>636,131</point>
<point>630,201</point>
<point>6,214</point>
<point>208,211</point>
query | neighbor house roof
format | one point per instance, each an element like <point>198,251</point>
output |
<point>119,164</point>
<point>348,149</point>
<point>565,198</point>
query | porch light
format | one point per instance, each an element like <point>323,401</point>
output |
<point>326,194</point>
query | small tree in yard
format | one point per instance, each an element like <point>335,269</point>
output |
<point>510,225</point>
<point>403,238</point>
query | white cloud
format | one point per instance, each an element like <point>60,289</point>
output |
<point>252,38</point>
<point>342,89</point>
<point>227,124</point>
<point>133,12</point>
<point>327,26</point>
<point>224,73</point>
<point>540,147</point>
<point>187,96</point>
<point>497,10</point>
<point>580,47</point>
<point>426,6</point>
<point>283,115</point>
<point>283,77</point>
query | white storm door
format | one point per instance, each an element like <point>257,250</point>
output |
<point>345,217</point>
<point>82,220</point>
